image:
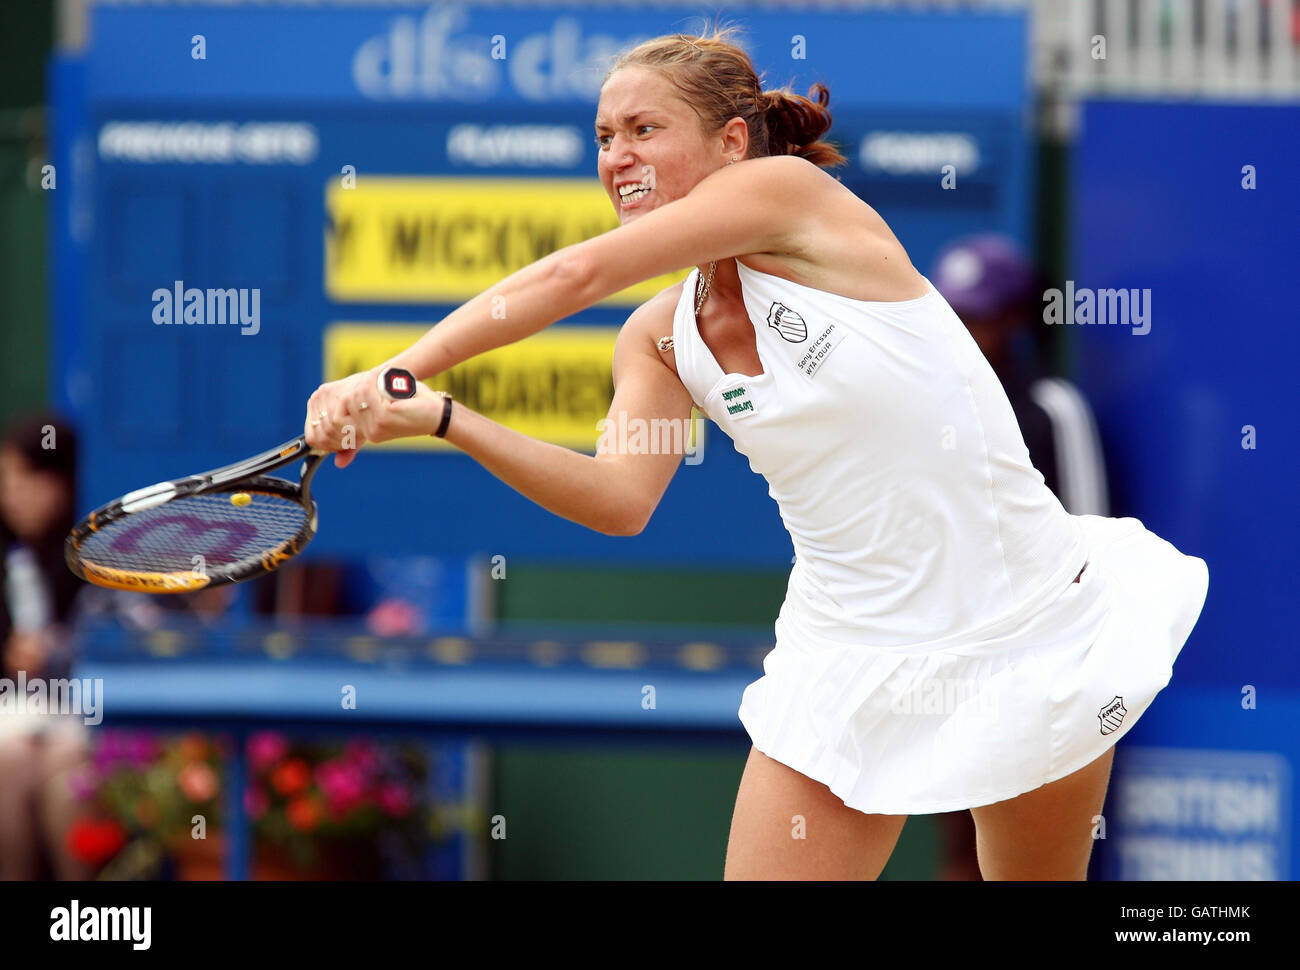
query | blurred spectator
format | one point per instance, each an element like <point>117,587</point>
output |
<point>38,460</point>
<point>997,292</point>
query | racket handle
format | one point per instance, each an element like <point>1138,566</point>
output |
<point>398,383</point>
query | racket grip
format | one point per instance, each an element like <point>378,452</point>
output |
<point>398,383</point>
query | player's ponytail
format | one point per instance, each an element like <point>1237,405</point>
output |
<point>795,125</point>
<point>717,79</point>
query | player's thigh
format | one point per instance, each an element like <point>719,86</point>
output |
<point>787,826</point>
<point>1046,833</point>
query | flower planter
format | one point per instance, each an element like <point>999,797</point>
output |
<point>204,860</point>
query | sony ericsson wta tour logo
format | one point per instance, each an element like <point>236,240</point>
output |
<point>1112,715</point>
<point>787,323</point>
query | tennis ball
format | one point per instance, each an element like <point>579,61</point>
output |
<point>241,499</point>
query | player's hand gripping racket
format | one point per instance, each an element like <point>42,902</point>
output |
<point>223,526</point>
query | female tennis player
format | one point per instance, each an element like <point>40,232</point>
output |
<point>951,637</point>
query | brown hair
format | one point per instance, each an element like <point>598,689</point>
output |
<point>718,80</point>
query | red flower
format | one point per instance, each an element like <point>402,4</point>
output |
<point>95,841</point>
<point>291,777</point>
<point>303,814</point>
<point>193,747</point>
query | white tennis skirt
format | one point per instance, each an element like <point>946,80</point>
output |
<point>915,730</point>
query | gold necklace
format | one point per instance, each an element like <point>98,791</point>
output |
<point>701,297</point>
<point>665,344</point>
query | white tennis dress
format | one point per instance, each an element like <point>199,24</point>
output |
<point>933,652</point>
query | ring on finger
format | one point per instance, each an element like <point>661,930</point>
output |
<point>362,406</point>
<point>324,414</point>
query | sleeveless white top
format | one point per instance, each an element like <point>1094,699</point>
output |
<point>896,461</point>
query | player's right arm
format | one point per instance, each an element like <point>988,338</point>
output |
<point>612,492</point>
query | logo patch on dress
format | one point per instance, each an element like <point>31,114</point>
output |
<point>738,402</point>
<point>1112,715</point>
<point>819,350</point>
<point>787,323</point>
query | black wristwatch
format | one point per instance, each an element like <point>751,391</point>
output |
<point>446,416</point>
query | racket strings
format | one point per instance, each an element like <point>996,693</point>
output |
<point>195,531</point>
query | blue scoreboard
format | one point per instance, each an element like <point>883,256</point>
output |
<point>314,187</point>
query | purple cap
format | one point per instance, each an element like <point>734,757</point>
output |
<point>983,275</point>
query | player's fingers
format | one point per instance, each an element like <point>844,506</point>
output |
<point>312,426</point>
<point>353,411</point>
<point>368,404</point>
<point>346,432</point>
<point>323,419</point>
<point>344,458</point>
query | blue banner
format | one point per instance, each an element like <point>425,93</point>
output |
<point>506,55</point>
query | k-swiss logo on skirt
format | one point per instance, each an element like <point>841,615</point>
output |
<point>787,323</point>
<point>1112,715</point>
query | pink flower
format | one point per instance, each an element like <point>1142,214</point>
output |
<point>361,754</point>
<point>110,750</point>
<point>265,748</point>
<point>395,618</point>
<point>83,782</point>
<point>395,800</point>
<point>141,750</point>
<point>342,785</point>
<point>255,803</point>
<point>198,781</point>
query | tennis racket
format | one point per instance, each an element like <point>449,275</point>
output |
<point>222,526</point>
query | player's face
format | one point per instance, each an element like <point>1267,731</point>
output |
<point>653,148</point>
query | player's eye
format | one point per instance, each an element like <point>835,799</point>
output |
<point>604,140</point>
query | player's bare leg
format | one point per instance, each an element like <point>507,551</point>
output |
<point>18,832</point>
<point>787,826</point>
<point>1046,833</point>
<point>64,752</point>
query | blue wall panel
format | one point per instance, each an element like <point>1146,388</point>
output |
<point>380,88</point>
<point>1159,204</point>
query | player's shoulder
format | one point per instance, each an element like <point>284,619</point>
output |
<point>794,178</point>
<point>653,318</point>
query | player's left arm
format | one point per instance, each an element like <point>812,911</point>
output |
<point>765,205</point>
<point>762,205</point>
